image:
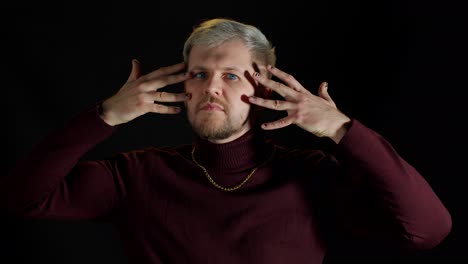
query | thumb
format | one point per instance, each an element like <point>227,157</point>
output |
<point>323,93</point>
<point>135,73</point>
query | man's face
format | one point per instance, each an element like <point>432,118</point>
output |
<point>219,86</point>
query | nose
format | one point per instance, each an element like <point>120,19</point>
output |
<point>213,86</point>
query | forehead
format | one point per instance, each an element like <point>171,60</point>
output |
<point>228,54</point>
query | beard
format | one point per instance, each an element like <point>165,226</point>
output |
<point>215,130</point>
<point>213,126</point>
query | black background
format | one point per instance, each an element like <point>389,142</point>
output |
<point>398,66</point>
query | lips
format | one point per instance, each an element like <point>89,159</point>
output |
<point>212,107</point>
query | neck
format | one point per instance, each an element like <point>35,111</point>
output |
<point>231,138</point>
<point>245,151</point>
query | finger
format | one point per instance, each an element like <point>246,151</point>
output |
<point>280,123</point>
<point>168,97</point>
<point>271,104</point>
<point>164,109</point>
<point>136,72</point>
<point>287,78</point>
<point>164,71</point>
<point>158,83</point>
<point>323,92</point>
<point>278,87</point>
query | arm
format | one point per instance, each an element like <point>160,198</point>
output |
<point>405,206</point>
<point>401,205</point>
<point>53,182</point>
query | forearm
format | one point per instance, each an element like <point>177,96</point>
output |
<point>398,187</point>
<point>45,167</point>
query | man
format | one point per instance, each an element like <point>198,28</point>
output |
<point>233,196</point>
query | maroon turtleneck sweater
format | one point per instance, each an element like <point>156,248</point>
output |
<point>168,212</point>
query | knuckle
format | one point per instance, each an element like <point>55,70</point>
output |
<point>158,108</point>
<point>276,104</point>
<point>140,103</point>
<point>175,78</point>
<point>142,86</point>
<point>301,103</point>
<point>298,117</point>
<point>289,77</point>
<point>159,83</point>
<point>140,98</point>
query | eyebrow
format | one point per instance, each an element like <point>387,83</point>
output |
<point>232,68</point>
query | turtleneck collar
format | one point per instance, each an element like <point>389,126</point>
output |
<point>242,153</point>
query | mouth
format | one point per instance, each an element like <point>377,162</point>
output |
<point>212,107</point>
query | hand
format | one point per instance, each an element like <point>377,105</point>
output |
<point>138,95</point>
<point>315,114</point>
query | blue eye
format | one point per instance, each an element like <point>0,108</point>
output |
<point>200,75</point>
<point>232,76</point>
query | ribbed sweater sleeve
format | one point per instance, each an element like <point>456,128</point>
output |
<point>52,181</point>
<point>409,208</point>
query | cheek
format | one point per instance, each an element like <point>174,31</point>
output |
<point>192,102</point>
<point>190,105</point>
<point>192,90</point>
<point>249,89</point>
<point>242,112</point>
<point>188,86</point>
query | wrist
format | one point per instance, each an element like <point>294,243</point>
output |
<point>342,128</point>
<point>103,115</point>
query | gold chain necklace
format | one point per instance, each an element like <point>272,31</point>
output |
<point>228,189</point>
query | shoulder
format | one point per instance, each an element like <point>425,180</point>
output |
<point>310,155</point>
<point>152,154</point>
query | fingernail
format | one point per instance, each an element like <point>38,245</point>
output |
<point>188,95</point>
<point>252,98</point>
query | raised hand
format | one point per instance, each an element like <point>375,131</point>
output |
<point>315,114</point>
<point>139,94</point>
